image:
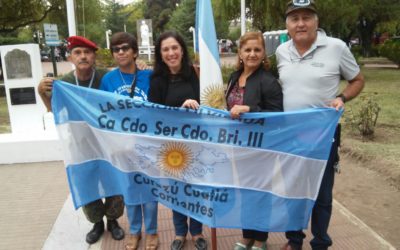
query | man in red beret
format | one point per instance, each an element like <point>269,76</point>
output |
<point>82,53</point>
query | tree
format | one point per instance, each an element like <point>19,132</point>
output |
<point>265,15</point>
<point>20,13</point>
<point>89,18</point>
<point>339,18</point>
<point>337,25</point>
<point>134,12</point>
<point>160,12</point>
<point>114,16</point>
<point>182,19</point>
<point>372,13</point>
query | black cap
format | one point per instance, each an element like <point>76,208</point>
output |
<point>293,5</point>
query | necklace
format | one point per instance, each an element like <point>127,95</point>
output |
<point>131,90</point>
<point>91,79</point>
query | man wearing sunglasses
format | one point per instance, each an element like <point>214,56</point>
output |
<point>127,79</point>
<point>310,66</point>
<point>130,80</point>
<point>82,53</point>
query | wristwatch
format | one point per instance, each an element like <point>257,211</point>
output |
<point>341,96</point>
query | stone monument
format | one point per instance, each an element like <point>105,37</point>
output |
<point>30,140</point>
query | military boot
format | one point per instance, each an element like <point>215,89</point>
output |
<point>116,231</point>
<point>94,235</point>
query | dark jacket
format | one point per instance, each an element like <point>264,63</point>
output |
<point>159,87</point>
<point>262,93</point>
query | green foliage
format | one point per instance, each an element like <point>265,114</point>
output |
<point>265,15</point>
<point>160,11</point>
<point>18,14</point>
<point>234,34</point>
<point>391,50</point>
<point>114,16</point>
<point>59,17</point>
<point>11,40</point>
<point>182,19</point>
<point>104,58</point>
<point>364,116</point>
<point>356,50</point>
<point>273,66</point>
<point>226,72</point>
<point>4,117</point>
<point>89,19</point>
<point>134,12</point>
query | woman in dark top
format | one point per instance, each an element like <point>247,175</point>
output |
<point>175,83</point>
<point>252,88</point>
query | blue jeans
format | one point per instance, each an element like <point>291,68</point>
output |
<point>322,211</point>
<point>146,212</point>
<point>181,225</point>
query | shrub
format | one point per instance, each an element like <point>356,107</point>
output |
<point>104,58</point>
<point>356,50</point>
<point>363,118</point>
<point>226,72</point>
<point>273,66</point>
<point>391,50</point>
<point>12,40</point>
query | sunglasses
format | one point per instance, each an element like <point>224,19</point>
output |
<point>124,48</point>
<point>301,3</point>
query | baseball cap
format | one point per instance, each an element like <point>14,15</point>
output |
<point>293,5</point>
<point>80,41</point>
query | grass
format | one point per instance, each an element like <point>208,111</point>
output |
<point>4,117</point>
<point>381,152</point>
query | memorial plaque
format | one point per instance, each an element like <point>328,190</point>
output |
<point>21,96</point>
<point>18,64</point>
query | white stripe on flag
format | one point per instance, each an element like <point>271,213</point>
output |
<point>288,175</point>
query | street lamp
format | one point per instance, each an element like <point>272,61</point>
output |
<point>108,33</point>
<point>193,30</point>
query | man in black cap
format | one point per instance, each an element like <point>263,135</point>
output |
<point>310,66</point>
<point>82,53</point>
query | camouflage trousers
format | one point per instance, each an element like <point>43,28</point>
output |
<point>112,208</point>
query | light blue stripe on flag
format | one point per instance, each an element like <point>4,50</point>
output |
<point>205,27</point>
<point>210,69</point>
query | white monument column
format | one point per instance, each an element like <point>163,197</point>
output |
<point>22,73</point>
<point>28,140</point>
<point>71,17</point>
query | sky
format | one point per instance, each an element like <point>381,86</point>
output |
<point>124,2</point>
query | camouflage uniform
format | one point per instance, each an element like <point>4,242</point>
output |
<point>112,208</point>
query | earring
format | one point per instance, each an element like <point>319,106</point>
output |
<point>241,61</point>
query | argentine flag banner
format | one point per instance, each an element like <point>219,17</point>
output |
<point>261,171</point>
<point>211,84</point>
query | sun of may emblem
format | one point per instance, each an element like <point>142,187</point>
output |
<point>174,158</point>
<point>213,96</point>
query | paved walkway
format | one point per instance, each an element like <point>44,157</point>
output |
<point>36,213</point>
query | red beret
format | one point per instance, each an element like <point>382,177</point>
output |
<point>80,41</point>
